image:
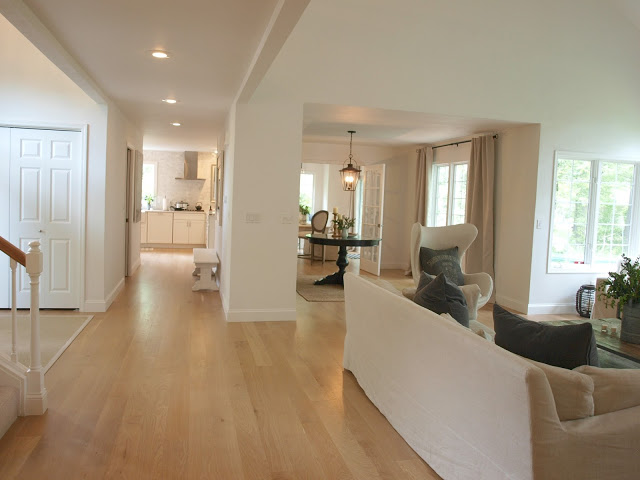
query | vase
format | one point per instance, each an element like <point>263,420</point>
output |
<point>630,330</point>
<point>345,233</point>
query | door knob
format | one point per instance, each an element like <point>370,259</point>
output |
<point>42,231</point>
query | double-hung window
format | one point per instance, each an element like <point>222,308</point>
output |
<point>149,181</point>
<point>447,204</point>
<point>596,214</point>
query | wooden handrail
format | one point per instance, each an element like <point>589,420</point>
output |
<point>14,252</point>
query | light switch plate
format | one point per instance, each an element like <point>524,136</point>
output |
<point>253,217</point>
<point>286,218</point>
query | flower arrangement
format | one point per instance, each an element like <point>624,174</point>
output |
<point>623,287</point>
<point>343,223</point>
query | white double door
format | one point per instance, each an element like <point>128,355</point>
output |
<point>45,204</point>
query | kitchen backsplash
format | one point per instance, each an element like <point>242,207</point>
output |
<point>170,166</point>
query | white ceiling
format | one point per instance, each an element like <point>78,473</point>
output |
<point>212,43</point>
<point>330,123</point>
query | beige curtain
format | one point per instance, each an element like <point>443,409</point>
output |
<point>423,175</point>
<point>479,211</point>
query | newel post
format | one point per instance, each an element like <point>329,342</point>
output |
<point>36,401</point>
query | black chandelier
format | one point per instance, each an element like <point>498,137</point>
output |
<point>350,174</point>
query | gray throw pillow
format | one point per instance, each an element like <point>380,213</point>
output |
<point>566,346</point>
<point>446,261</point>
<point>442,296</point>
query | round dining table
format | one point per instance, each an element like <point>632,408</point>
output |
<point>342,243</point>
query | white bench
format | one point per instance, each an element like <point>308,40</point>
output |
<point>206,259</point>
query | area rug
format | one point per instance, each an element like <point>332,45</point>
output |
<point>318,293</point>
<point>56,334</point>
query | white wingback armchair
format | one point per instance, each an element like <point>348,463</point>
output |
<point>440,238</point>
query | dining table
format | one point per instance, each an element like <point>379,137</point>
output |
<point>342,243</point>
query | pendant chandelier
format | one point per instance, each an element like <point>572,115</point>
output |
<point>350,174</point>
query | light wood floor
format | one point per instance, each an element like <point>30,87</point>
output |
<point>162,387</point>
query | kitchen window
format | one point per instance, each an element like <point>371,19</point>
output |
<point>595,212</point>
<point>149,181</point>
<point>448,194</point>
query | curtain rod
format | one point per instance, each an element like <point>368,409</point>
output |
<point>454,143</point>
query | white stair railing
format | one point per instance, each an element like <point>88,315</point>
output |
<point>35,400</point>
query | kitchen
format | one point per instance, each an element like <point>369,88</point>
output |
<point>179,199</point>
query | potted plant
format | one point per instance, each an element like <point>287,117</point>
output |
<point>304,212</point>
<point>148,199</point>
<point>624,288</point>
<point>343,224</point>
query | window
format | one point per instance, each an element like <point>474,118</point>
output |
<point>306,190</point>
<point>449,194</point>
<point>594,208</point>
<point>149,181</point>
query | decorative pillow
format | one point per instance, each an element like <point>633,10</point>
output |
<point>572,391</point>
<point>615,389</point>
<point>443,296</point>
<point>435,262</point>
<point>566,346</point>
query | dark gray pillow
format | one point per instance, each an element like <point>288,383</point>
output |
<point>446,261</point>
<point>566,346</point>
<point>442,296</point>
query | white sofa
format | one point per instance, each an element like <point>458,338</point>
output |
<point>469,408</point>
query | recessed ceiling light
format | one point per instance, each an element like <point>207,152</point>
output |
<point>159,54</point>
<point>170,100</point>
<point>176,124</point>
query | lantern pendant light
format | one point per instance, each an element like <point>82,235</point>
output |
<point>350,174</point>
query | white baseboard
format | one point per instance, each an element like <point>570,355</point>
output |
<point>260,315</point>
<point>100,306</point>
<point>394,266</point>
<point>509,302</point>
<point>546,308</point>
<point>135,266</point>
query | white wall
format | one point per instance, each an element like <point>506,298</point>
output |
<point>515,198</point>
<point>533,62</point>
<point>171,170</point>
<point>34,92</point>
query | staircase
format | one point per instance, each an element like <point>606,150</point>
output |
<point>22,390</point>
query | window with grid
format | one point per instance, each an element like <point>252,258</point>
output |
<point>449,194</point>
<point>594,209</point>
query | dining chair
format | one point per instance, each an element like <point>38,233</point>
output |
<point>319,222</point>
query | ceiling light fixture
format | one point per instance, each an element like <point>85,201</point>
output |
<point>170,100</point>
<point>176,124</point>
<point>159,54</point>
<point>350,174</point>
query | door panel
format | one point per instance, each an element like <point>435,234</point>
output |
<point>60,196</point>
<point>372,210</point>
<point>45,205</point>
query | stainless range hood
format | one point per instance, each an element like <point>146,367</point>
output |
<point>190,167</point>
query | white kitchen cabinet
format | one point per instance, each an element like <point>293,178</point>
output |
<point>188,228</point>
<point>143,227</point>
<point>159,227</point>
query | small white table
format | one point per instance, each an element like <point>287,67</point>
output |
<point>206,259</point>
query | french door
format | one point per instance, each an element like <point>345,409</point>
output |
<point>372,210</point>
<point>45,204</point>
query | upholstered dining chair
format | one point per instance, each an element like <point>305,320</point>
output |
<point>441,238</point>
<point>319,222</point>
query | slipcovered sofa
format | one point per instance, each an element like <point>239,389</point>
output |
<point>471,409</point>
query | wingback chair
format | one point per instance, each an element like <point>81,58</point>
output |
<point>440,238</point>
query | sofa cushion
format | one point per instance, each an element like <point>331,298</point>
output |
<point>566,346</point>
<point>442,296</point>
<point>615,389</point>
<point>572,391</point>
<point>435,262</point>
